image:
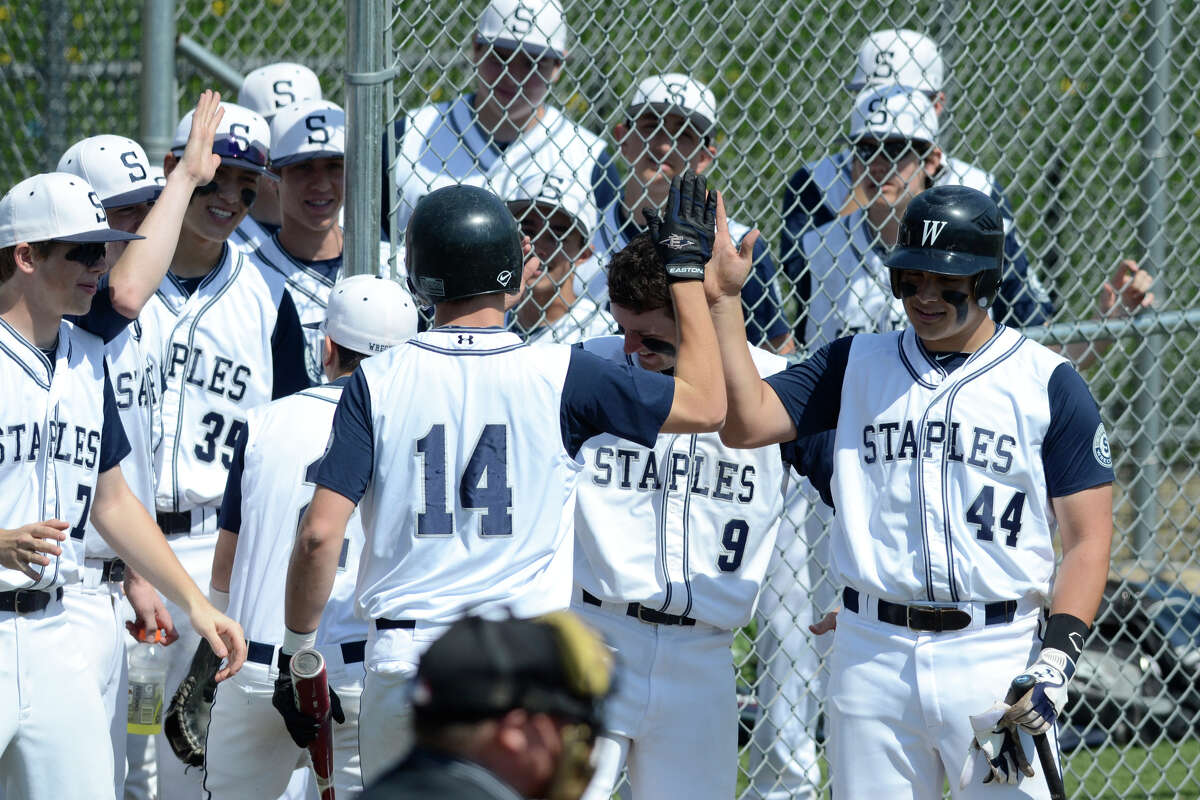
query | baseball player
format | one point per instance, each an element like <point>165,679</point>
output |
<point>555,210</point>
<point>826,189</point>
<point>672,543</point>
<point>505,125</point>
<point>308,148</point>
<point>492,439</point>
<point>117,169</point>
<point>270,485</point>
<point>60,468</point>
<point>960,449</point>
<point>230,339</point>
<point>670,126</point>
<point>265,91</point>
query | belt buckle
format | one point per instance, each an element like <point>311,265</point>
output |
<point>935,610</point>
<point>640,611</point>
<point>20,607</point>
<point>116,571</point>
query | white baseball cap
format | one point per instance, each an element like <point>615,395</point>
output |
<point>158,175</point>
<point>899,57</point>
<point>55,206</point>
<point>559,189</point>
<point>368,314</point>
<point>270,88</point>
<point>678,93</point>
<point>535,26</point>
<point>308,129</point>
<point>243,138</point>
<point>893,112</point>
<point>116,167</point>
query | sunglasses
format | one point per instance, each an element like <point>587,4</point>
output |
<point>89,254</point>
<point>893,149</point>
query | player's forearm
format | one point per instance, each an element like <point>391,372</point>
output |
<point>141,268</point>
<point>1085,528</point>
<point>125,524</point>
<point>223,556</point>
<point>699,404</point>
<point>311,571</point>
<point>743,385</point>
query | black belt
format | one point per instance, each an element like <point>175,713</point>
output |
<point>384,624</point>
<point>933,619</point>
<point>640,612</point>
<point>260,652</point>
<point>175,521</point>
<point>113,571</point>
<point>28,601</point>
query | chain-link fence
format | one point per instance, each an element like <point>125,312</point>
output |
<point>1083,116</point>
<point>1084,113</point>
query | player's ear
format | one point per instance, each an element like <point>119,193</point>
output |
<point>169,163</point>
<point>23,257</point>
<point>704,158</point>
<point>328,354</point>
<point>620,131</point>
<point>939,103</point>
<point>584,255</point>
<point>933,163</point>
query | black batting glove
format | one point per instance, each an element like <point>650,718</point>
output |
<point>300,726</point>
<point>684,237</point>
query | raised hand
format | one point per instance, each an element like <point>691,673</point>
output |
<point>730,264</point>
<point>199,162</point>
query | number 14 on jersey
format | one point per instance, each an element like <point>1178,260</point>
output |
<point>482,486</point>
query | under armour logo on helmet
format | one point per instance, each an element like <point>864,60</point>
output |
<point>933,229</point>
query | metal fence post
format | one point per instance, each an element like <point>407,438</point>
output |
<point>159,103</point>
<point>1147,402</point>
<point>366,65</point>
<point>56,83</point>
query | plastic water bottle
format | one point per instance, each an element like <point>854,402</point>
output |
<point>147,684</point>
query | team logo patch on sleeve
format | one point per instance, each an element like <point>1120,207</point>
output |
<point>1100,447</point>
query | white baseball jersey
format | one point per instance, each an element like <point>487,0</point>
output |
<point>687,526</point>
<point>218,363</point>
<point>270,486</point>
<point>851,288</point>
<point>583,320</point>
<point>309,283</point>
<point>942,479</point>
<point>250,234</point>
<point>135,374</point>
<point>487,430</point>
<point>61,430</point>
<point>442,145</point>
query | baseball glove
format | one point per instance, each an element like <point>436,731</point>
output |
<point>186,724</point>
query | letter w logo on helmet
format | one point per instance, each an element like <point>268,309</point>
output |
<point>933,229</point>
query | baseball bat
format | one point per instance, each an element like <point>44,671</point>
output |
<point>311,686</point>
<point>1054,782</point>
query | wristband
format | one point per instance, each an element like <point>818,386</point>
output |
<point>1065,633</point>
<point>294,642</point>
<point>219,599</point>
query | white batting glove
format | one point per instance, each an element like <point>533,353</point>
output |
<point>1038,708</point>
<point>996,751</point>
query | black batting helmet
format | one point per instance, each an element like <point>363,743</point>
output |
<point>952,230</point>
<point>462,241</point>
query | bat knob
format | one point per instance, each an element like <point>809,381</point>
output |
<point>1023,683</point>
